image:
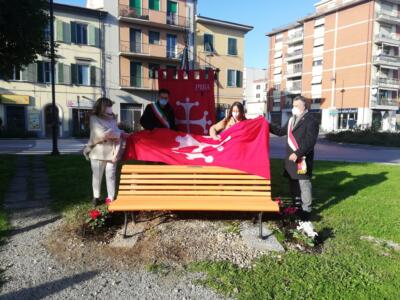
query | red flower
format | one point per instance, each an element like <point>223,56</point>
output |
<point>290,210</point>
<point>94,214</point>
<point>279,201</point>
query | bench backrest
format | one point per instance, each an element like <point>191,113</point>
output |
<point>169,180</point>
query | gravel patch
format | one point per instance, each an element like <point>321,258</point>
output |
<point>32,271</point>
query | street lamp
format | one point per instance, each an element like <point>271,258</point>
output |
<point>53,90</point>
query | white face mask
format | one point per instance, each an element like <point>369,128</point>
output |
<point>109,111</point>
<point>296,111</point>
<point>235,115</point>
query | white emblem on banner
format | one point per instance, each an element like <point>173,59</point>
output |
<point>187,106</point>
<point>190,141</point>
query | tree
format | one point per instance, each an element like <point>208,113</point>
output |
<point>22,33</point>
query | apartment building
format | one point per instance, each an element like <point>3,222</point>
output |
<point>221,45</point>
<point>344,59</point>
<point>143,36</point>
<point>255,86</point>
<point>25,100</point>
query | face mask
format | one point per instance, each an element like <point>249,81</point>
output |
<point>109,111</point>
<point>235,115</point>
<point>296,111</point>
<point>163,101</point>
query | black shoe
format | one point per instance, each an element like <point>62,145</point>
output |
<point>95,202</point>
<point>297,202</point>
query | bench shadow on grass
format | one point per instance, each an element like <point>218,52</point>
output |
<point>50,288</point>
<point>332,188</point>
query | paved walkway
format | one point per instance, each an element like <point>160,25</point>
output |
<point>325,150</point>
<point>31,273</point>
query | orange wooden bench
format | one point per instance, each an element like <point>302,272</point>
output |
<point>191,188</point>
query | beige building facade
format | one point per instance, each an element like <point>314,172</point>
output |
<point>221,45</point>
<point>25,100</point>
<point>344,59</point>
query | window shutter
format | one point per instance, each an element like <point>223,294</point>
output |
<point>32,73</point>
<point>60,73</point>
<point>98,77</point>
<point>238,78</point>
<point>67,33</point>
<point>60,31</point>
<point>40,72</point>
<point>230,77</point>
<point>92,33</point>
<point>74,74</point>
<point>73,32</point>
<point>97,37</point>
<point>67,74</point>
<point>92,75</point>
<point>24,73</point>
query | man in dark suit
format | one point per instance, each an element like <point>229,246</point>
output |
<point>302,131</point>
<point>159,114</point>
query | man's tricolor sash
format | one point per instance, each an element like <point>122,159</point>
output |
<point>160,115</point>
<point>301,162</point>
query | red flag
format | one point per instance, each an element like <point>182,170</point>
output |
<point>192,97</point>
<point>244,146</point>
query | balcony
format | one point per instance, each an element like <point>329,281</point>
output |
<point>295,38</point>
<point>391,38</point>
<point>385,16</point>
<point>160,19</point>
<point>385,101</point>
<point>295,87</point>
<point>295,55</point>
<point>138,83</point>
<point>389,60</point>
<point>294,70</point>
<point>384,82</point>
<point>153,51</point>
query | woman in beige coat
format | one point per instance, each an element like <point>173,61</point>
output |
<point>235,115</point>
<point>105,144</point>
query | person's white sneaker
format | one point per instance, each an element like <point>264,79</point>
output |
<point>307,228</point>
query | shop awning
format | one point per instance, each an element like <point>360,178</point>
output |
<point>14,99</point>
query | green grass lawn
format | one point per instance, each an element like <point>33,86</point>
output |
<point>351,200</point>
<point>7,168</point>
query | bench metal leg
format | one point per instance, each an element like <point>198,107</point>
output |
<point>125,223</point>
<point>133,215</point>
<point>260,220</point>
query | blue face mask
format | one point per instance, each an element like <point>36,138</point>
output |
<point>163,101</point>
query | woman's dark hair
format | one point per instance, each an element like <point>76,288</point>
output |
<point>240,107</point>
<point>100,106</point>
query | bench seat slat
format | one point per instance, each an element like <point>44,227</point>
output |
<point>177,169</point>
<point>123,187</point>
<point>190,176</point>
<point>193,192</point>
<point>192,203</point>
<point>192,181</point>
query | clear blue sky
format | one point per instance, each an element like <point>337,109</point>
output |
<point>263,15</point>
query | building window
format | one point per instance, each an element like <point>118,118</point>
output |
<point>208,42</point>
<point>258,95</point>
<point>47,32</point>
<point>232,46</point>
<point>154,4</point>
<point>80,74</point>
<point>317,62</point>
<point>79,33</point>
<point>153,70</point>
<point>43,72</point>
<point>258,87</point>
<point>234,78</point>
<point>154,37</point>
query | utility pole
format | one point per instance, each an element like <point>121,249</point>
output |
<point>53,88</point>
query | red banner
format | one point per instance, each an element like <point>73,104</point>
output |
<point>192,97</point>
<point>244,146</point>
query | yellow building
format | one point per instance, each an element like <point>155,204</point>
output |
<point>25,100</point>
<point>221,45</point>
